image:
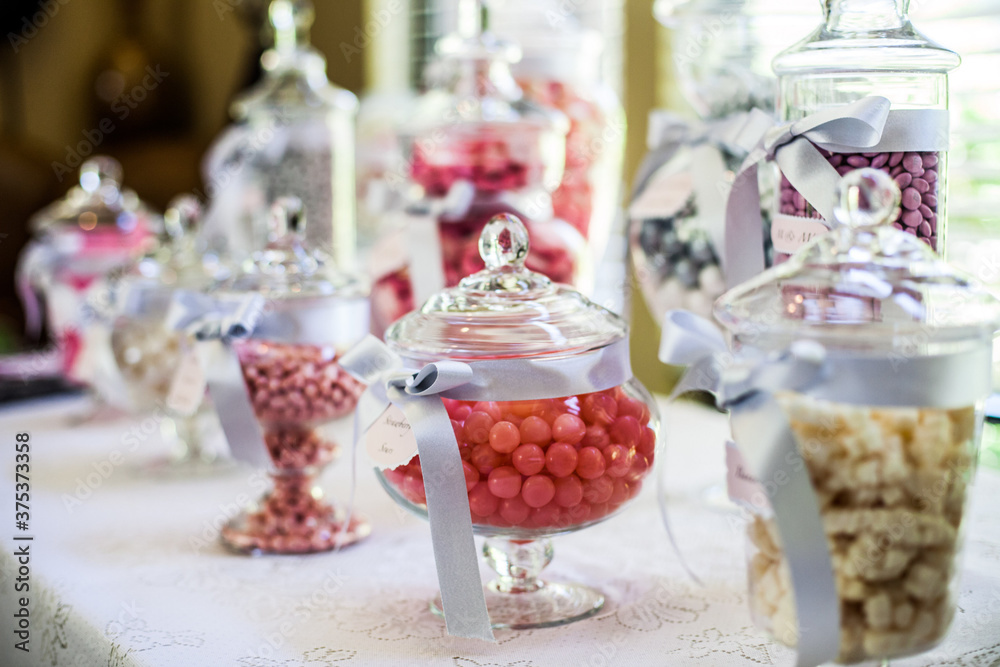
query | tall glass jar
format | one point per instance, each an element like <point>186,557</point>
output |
<point>98,228</point>
<point>534,467</point>
<point>294,136</point>
<point>869,48</point>
<point>289,366</point>
<point>888,434</point>
<point>474,149</point>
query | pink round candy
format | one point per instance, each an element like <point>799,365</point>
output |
<point>477,427</point>
<point>591,463</point>
<point>514,510</point>
<point>568,428</point>
<point>504,437</point>
<point>598,409</point>
<point>568,491</point>
<point>625,431</point>
<point>596,491</point>
<point>560,459</point>
<point>529,459</point>
<point>535,430</point>
<point>504,482</point>
<point>482,502</point>
<point>538,490</point>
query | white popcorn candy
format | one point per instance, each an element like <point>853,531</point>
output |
<point>891,485</point>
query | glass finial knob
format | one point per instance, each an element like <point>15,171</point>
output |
<point>99,169</point>
<point>291,20</point>
<point>866,197</point>
<point>182,216</point>
<point>504,242</point>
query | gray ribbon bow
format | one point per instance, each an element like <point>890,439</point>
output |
<point>746,385</point>
<point>218,321</point>
<point>866,125</point>
<point>418,395</point>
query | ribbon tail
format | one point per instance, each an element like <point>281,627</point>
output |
<point>455,554</point>
<point>232,402</point>
<point>766,439</point>
<point>744,251</point>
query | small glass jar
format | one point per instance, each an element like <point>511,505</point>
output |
<point>98,228</point>
<point>474,149</point>
<point>865,48</point>
<point>294,136</point>
<point>156,369</point>
<point>295,385</point>
<point>533,468</point>
<point>891,479</point>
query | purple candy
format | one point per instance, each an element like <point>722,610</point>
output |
<point>930,160</point>
<point>897,226</point>
<point>921,185</point>
<point>911,199</point>
<point>895,159</point>
<point>836,160</point>
<point>925,211</point>
<point>912,163</point>
<point>930,200</point>
<point>880,160</point>
<point>912,218</point>
<point>857,161</point>
<point>799,200</point>
<point>903,180</point>
<point>896,171</point>
<point>925,229</point>
<point>930,175</point>
<point>911,230</point>
<point>844,169</point>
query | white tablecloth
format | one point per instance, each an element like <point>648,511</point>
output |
<point>134,575</point>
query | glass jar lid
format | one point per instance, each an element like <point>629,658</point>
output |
<point>505,310</point>
<point>866,285</point>
<point>286,268</point>
<point>294,78</point>
<point>97,206</point>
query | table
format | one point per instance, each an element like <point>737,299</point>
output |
<point>132,573</point>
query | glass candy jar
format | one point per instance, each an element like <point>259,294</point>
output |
<point>96,229</point>
<point>869,48</point>
<point>533,468</point>
<point>891,456</point>
<point>475,149</point>
<point>294,136</point>
<point>156,368</point>
<point>295,386</point>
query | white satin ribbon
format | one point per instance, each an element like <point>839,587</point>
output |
<point>418,394</point>
<point>745,385</point>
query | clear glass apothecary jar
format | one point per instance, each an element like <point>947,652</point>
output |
<point>869,48</point>
<point>891,458</point>
<point>289,364</point>
<point>293,136</point>
<point>98,228</point>
<point>474,149</point>
<point>533,468</point>
<point>155,369</point>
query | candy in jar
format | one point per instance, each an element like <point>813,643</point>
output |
<point>552,432</point>
<point>297,313</point>
<point>862,364</point>
<point>474,149</point>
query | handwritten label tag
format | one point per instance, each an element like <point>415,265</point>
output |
<point>790,232</point>
<point>390,441</point>
<point>743,487</point>
<point>187,388</point>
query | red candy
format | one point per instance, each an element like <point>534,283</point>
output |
<point>590,463</point>
<point>560,459</point>
<point>568,428</point>
<point>529,459</point>
<point>505,437</point>
<point>505,482</point>
<point>538,490</point>
<point>536,431</point>
<point>545,465</point>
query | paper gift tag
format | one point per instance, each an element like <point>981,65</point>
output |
<point>390,441</point>
<point>743,487</point>
<point>187,388</point>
